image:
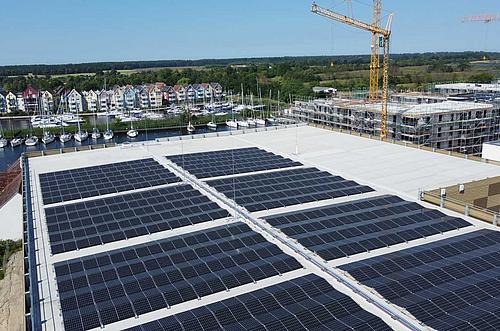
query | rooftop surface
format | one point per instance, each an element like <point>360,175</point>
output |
<point>361,169</point>
<point>470,87</point>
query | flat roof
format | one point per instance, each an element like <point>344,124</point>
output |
<point>469,87</point>
<point>409,109</point>
<point>388,168</point>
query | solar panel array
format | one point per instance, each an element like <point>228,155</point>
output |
<point>232,161</point>
<point>451,284</point>
<point>285,188</point>
<point>96,222</point>
<point>105,179</point>
<point>104,288</point>
<point>305,303</point>
<point>354,227</point>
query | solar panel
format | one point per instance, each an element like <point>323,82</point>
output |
<point>101,289</point>
<point>105,179</point>
<point>451,284</point>
<point>232,161</point>
<point>95,222</point>
<point>285,188</point>
<point>304,303</point>
<point>349,228</point>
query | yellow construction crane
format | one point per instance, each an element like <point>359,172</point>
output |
<point>380,39</point>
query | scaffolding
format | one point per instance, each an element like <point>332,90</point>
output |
<point>448,125</point>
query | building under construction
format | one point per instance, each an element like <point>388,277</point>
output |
<point>450,125</point>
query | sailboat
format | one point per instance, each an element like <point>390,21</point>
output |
<point>271,119</point>
<point>232,123</point>
<point>132,133</point>
<point>95,131</point>
<point>80,135</point>
<point>108,134</point>
<point>212,125</point>
<point>3,142</point>
<point>47,136</point>
<point>190,126</point>
<point>63,136</point>
<point>251,122</point>
<point>261,121</point>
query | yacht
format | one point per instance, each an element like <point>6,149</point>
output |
<point>17,141</point>
<point>211,125</point>
<point>108,135</point>
<point>81,136</point>
<point>96,134</point>
<point>65,137</point>
<point>31,141</point>
<point>243,124</point>
<point>232,124</point>
<point>132,133</point>
<point>191,128</point>
<point>48,138</point>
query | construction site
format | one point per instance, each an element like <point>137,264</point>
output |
<point>457,126</point>
<point>453,117</point>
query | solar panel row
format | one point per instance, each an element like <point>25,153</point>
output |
<point>305,303</point>
<point>232,161</point>
<point>105,179</point>
<point>349,228</point>
<point>285,188</point>
<point>451,284</point>
<point>96,222</point>
<point>104,288</point>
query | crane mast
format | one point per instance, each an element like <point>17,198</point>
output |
<point>380,39</point>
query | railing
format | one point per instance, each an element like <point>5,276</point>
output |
<point>462,207</point>
<point>56,151</point>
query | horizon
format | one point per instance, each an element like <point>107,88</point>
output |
<point>496,53</point>
<point>235,30</point>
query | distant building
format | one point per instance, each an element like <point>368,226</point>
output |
<point>20,101</point>
<point>104,100</point>
<point>169,95</point>
<point>74,101</point>
<point>47,101</point>
<point>155,96</point>
<point>462,88</point>
<point>130,97</point>
<point>180,93</point>
<point>3,102</point>
<point>117,98</point>
<point>216,90</point>
<point>31,98</point>
<point>11,102</point>
<point>190,93</point>
<point>90,101</point>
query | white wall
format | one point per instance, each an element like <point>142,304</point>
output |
<point>491,152</point>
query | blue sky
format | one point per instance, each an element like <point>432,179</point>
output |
<point>72,31</point>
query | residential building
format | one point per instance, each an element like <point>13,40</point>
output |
<point>200,92</point>
<point>104,100</point>
<point>169,95</point>
<point>74,101</point>
<point>143,96</point>
<point>11,102</point>
<point>155,96</point>
<point>90,101</point>
<point>3,102</point>
<point>47,102</point>
<point>20,101</point>
<point>180,93</point>
<point>130,97</point>
<point>31,99</point>
<point>190,93</point>
<point>216,90</point>
<point>117,98</point>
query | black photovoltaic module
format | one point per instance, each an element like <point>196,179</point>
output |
<point>450,284</point>
<point>353,227</point>
<point>104,179</point>
<point>108,287</point>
